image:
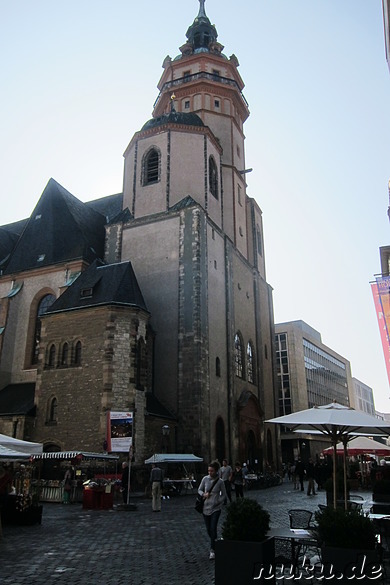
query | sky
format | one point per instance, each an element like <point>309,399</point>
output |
<point>78,79</point>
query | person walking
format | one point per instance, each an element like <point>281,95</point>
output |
<point>310,471</point>
<point>238,480</point>
<point>300,471</point>
<point>156,480</point>
<point>212,489</point>
<point>225,473</point>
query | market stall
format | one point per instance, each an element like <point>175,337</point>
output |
<point>81,477</point>
<point>18,500</point>
<point>178,478</point>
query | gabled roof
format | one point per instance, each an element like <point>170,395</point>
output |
<point>187,201</point>
<point>17,399</point>
<point>8,240</point>
<point>102,284</point>
<point>60,228</point>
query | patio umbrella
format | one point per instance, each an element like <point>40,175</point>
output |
<point>337,422</point>
<point>361,446</point>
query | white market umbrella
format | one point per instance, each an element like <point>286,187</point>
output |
<point>21,446</point>
<point>337,422</point>
<point>361,446</point>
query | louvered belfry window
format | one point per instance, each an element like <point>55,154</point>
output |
<point>151,174</point>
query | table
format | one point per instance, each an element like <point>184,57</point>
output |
<point>178,485</point>
<point>297,538</point>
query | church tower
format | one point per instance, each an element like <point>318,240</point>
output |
<point>195,240</point>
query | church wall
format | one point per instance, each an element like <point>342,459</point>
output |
<point>20,315</point>
<point>187,150</point>
<point>105,379</point>
<point>217,332</point>
<point>153,248</point>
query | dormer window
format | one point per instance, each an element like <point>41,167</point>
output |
<point>41,258</point>
<point>86,292</point>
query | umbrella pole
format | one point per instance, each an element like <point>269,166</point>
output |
<point>345,473</point>
<point>334,473</point>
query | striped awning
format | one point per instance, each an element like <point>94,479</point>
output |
<point>74,454</point>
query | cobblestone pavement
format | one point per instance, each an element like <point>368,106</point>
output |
<point>113,547</point>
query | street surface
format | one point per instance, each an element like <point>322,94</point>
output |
<point>111,547</point>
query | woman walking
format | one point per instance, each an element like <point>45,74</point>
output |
<point>213,491</point>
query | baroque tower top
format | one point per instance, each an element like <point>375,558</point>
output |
<point>201,35</point>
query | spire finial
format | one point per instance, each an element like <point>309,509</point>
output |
<point>202,11</point>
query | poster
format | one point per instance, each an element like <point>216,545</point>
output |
<point>381,294</point>
<point>119,431</point>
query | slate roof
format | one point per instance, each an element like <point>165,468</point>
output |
<point>60,228</point>
<point>187,118</point>
<point>102,284</point>
<point>109,206</point>
<point>17,399</point>
<point>8,241</point>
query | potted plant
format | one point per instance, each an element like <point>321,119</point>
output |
<point>339,488</point>
<point>348,545</point>
<point>244,549</point>
<point>381,496</point>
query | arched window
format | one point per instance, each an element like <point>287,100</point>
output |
<point>52,356</point>
<point>250,370</point>
<point>77,354</point>
<point>43,307</point>
<point>52,410</point>
<point>238,356</point>
<point>213,177</point>
<point>258,240</point>
<point>65,353</point>
<point>218,367</point>
<point>151,167</point>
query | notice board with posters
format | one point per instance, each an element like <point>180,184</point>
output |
<point>119,431</point>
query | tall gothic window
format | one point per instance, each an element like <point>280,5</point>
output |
<point>238,356</point>
<point>213,177</point>
<point>249,364</point>
<point>65,353</point>
<point>77,354</point>
<point>52,356</point>
<point>43,307</point>
<point>151,167</point>
<point>52,411</point>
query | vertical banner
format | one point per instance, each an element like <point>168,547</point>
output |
<point>119,431</point>
<point>381,294</point>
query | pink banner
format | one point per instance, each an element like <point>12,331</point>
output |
<point>380,291</point>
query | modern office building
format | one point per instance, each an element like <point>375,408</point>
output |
<point>363,397</point>
<point>308,374</point>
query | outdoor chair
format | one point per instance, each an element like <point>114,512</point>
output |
<point>322,507</point>
<point>301,520</point>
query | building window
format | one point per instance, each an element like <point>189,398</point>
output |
<point>216,73</point>
<point>216,104</point>
<point>187,105</point>
<point>43,307</point>
<point>64,356</point>
<point>52,410</point>
<point>238,356</point>
<point>239,191</point>
<point>151,167</point>
<point>250,370</point>
<point>258,241</point>
<point>213,177</point>
<point>218,367</point>
<point>187,75</point>
<point>52,356</point>
<point>215,264</point>
<point>77,354</point>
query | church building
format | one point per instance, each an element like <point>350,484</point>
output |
<point>153,301</point>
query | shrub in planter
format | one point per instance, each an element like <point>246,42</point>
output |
<point>245,520</point>
<point>245,548</point>
<point>348,543</point>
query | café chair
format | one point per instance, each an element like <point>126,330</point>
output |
<point>306,548</point>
